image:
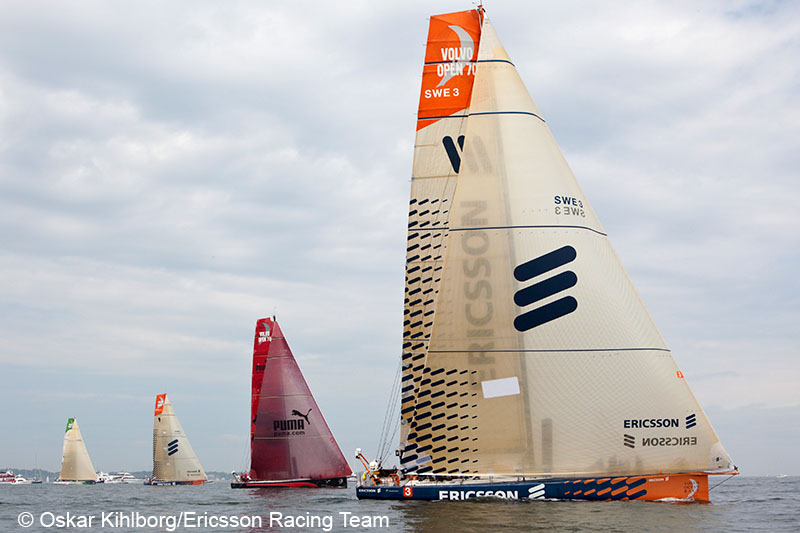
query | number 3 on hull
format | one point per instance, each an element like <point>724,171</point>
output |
<point>530,366</point>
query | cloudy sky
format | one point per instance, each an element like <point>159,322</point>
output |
<point>170,172</point>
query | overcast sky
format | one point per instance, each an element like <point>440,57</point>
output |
<point>172,171</point>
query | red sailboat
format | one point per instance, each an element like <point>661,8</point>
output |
<point>290,442</point>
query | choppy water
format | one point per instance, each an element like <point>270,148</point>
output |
<point>740,504</point>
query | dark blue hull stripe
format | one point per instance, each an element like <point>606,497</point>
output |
<point>577,489</point>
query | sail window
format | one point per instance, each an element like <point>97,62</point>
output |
<point>494,388</point>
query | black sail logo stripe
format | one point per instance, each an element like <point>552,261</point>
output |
<point>545,263</point>
<point>545,288</point>
<point>545,314</point>
<point>172,447</point>
<point>453,152</point>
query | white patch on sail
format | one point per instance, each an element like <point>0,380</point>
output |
<point>500,387</point>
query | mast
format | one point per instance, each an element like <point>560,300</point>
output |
<point>447,79</point>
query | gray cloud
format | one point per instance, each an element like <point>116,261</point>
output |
<point>169,173</point>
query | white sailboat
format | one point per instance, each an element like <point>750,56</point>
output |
<point>76,467</point>
<point>531,367</point>
<point>174,460</point>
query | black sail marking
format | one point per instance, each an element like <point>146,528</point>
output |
<point>543,289</point>
<point>452,151</point>
<point>545,263</point>
<point>546,313</point>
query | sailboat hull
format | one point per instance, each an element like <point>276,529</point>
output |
<point>672,487</point>
<point>169,483</point>
<point>337,482</point>
<point>156,483</point>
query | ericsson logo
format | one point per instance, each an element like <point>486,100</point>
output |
<point>544,288</point>
<point>691,421</point>
<point>454,153</point>
<point>172,447</point>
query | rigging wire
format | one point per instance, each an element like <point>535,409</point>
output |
<point>391,438</point>
<point>244,467</point>
<point>385,442</point>
<point>721,482</point>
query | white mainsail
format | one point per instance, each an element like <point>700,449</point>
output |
<point>437,158</point>
<point>534,354</point>
<point>174,459</point>
<point>75,462</point>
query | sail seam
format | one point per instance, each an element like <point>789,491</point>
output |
<point>284,396</point>
<point>445,116</point>
<point>329,435</point>
<point>497,61</point>
<point>506,113</point>
<point>556,351</point>
<point>451,62</point>
<point>483,113</point>
<point>517,227</point>
<point>523,227</point>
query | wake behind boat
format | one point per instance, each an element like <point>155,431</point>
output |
<point>530,367</point>
<point>291,445</point>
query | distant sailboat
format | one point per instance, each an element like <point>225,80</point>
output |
<point>76,467</point>
<point>530,366</point>
<point>174,460</point>
<point>290,442</point>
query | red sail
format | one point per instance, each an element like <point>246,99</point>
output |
<point>289,438</point>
